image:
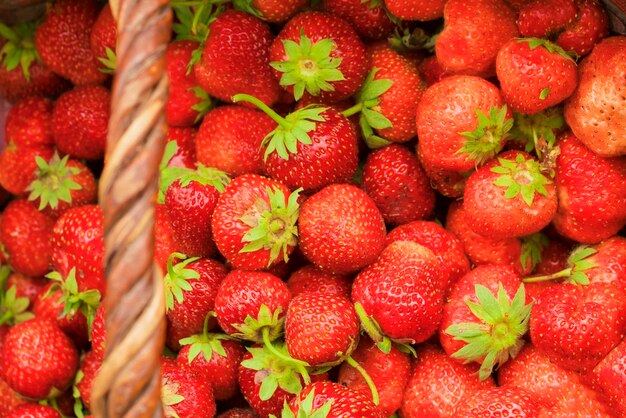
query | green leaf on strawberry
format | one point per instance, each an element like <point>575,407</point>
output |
<point>54,182</point>
<point>538,130</point>
<point>246,6</point>
<point>86,302</point>
<point>204,105</point>
<point>373,330</point>
<point>306,408</point>
<point>79,407</point>
<point>486,141</point>
<point>170,397</point>
<point>109,62</point>
<point>532,247</point>
<point>19,49</point>
<point>269,322</point>
<point>13,310</point>
<point>177,279</point>
<point>521,177</point>
<point>576,272</point>
<point>550,46</point>
<point>205,343</point>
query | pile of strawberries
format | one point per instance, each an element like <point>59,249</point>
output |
<point>366,209</point>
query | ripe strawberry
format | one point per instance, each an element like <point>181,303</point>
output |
<point>47,374</point>
<point>499,401</point>
<point>235,59</point>
<point>609,376</point>
<point>254,222</point>
<point>25,233</point>
<point>28,123</point>
<point>535,74</point>
<point>416,9</point>
<point>394,179</point>
<point>430,70</point>
<point>77,242</point>
<point>333,399</point>
<point>62,40</point>
<point>318,54</point>
<point>230,139</point>
<point>252,305</point>
<point>80,122</point>
<point>591,25</point>
<point>103,34</point>
<point>541,19</point>
<point>591,191</point>
<point>608,262</point>
<point>389,372</point>
<point>368,18</point>
<point>595,111</point>
<point>553,257</point>
<point>473,33</point>
<point>341,229</point>
<point>274,11</point>
<point>89,368</point>
<point>18,166</point>
<point>33,410</point>
<point>238,413</point>
<point>183,395</point>
<point>98,333</point>
<point>437,383</point>
<point>9,400</point>
<point>485,318</point>
<point>163,242</point>
<point>26,287</point>
<point>311,279</point>
<point>185,153</point>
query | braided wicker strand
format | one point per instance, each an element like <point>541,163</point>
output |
<point>129,383</point>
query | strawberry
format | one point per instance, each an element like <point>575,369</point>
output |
<point>609,262</point>
<point>331,400</point>
<point>416,9</point>
<point>499,402</point>
<point>609,376</point>
<point>230,139</point>
<point>183,395</point>
<point>235,59</point>
<point>34,411</point>
<point>238,413</point>
<point>103,35</point>
<point>311,148</point>
<point>591,191</point>
<point>89,367</point>
<point>311,279</point>
<point>163,242</point>
<point>394,179</point>
<point>430,70</point>
<point>318,54</point>
<point>51,371</point>
<point>553,257</point>
<point>13,305</point>
<point>63,43</point>
<point>595,111</point>
<point>485,318</point>
<point>214,358</point>
<point>18,166</point>
<point>341,229</point>
<point>9,400</point>
<point>252,305</point>
<point>368,18</point>
<point>185,153</point>
<point>389,373</point>
<point>98,333</point>
<point>28,123</point>
<point>25,233</point>
<point>473,33</point>
<point>77,242</point>
<point>273,11</point>
<point>438,383</point>
<point>540,19</point>
<point>535,74</point>
<point>80,122</point>
<point>445,245</point>
<point>591,25</point>
<point>25,286</point>
<point>254,222</point>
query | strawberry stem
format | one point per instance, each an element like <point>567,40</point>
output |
<point>353,110</point>
<point>558,275</point>
<point>370,383</point>
<point>301,365</point>
<point>265,108</point>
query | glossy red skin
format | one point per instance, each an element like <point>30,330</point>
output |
<point>431,71</point>
<point>98,333</point>
<point>348,46</point>
<point>9,400</point>
<point>230,139</point>
<point>18,165</point>
<point>472,35</point>
<point>80,122</point>
<point>610,261</point>
<point>321,329</point>
<point>608,378</point>
<point>189,210</point>
<point>524,73</point>
<point>345,402</point>
<point>63,41</point>
<point>448,108</point>
<point>28,123</point>
<point>43,82</point>
<point>456,311</point>
<point>402,291</point>
<point>221,372</point>
<point>104,33</point>
<point>78,241</point>
<point>51,308</point>
<point>277,11</point>
<point>553,257</point>
<point>340,229</point>
<point>90,366</point>
<point>242,293</point>
<point>238,199</point>
<point>389,372</point>
<point>590,27</point>
<point>196,392</point>
<point>445,245</point>
<point>591,192</point>
<point>25,233</point>
<point>485,250</point>
<point>178,109</point>
<point>185,138</point>
<point>596,109</point>
<point>236,59</point>
<point>368,22</point>
<point>33,411</point>
<point>394,179</point>
<point>437,383</point>
<point>540,19</point>
<point>332,157</point>
<point>311,279</point>
<point>188,317</point>
<point>163,242</point>
<point>26,286</point>
<point>416,9</point>
<point>499,401</point>
<point>53,367</point>
<point>447,182</point>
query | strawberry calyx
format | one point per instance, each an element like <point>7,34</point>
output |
<point>499,335</point>
<point>532,247</point>
<point>549,46</point>
<point>309,66</point>
<point>19,48</point>
<point>374,331</point>
<point>273,225</point>
<point>537,131</point>
<point>576,273</point>
<point>54,182</point>
<point>177,279</point>
<point>13,309</point>
<point>79,408</point>
<point>405,39</point>
<point>109,62</point>
<point>206,343</point>
<point>246,6</point>
<point>521,177</point>
<point>204,105</point>
<point>266,322</point>
<point>487,140</point>
<point>170,397</point>
<point>306,409</point>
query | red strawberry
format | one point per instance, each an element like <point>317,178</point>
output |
<point>389,373</point>
<point>394,179</point>
<point>80,122</point>
<point>254,222</point>
<point>275,11</point>
<point>230,139</point>
<point>235,59</point>
<point>609,376</point>
<point>431,71</point>
<point>33,411</point>
<point>499,401</point>
<point>13,304</point>
<point>18,166</point>
<point>553,257</point>
<point>438,383</point>
<point>98,333</point>
<point>334,399</point>
<point>238,413</point>
<point>318,54</point>
<point>589,28</point>
<point>473,33</point>
<point>311,279</point>
<point>9,400</point>
<point>62,40</point>
<point>185,153</point>
<point>27,287</point>
<point>89,368</point>
<point>609,262</point>
<point>28,123</point>
<point>541,19</point>
<point>341,229</point>
<point>47,374</point>
<point>183,394</point>
<point>103,34</point>
<point>596,109</point>
<point>416,9</point>
<point>163,242</point>
<point>368,18</point>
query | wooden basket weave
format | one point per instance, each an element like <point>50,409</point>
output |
<point>128,384</point>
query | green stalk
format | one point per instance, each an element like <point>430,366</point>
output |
<point>353,110</point>
<point>558,275</point>
<point>366,376</point>
<point>265,108</point>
